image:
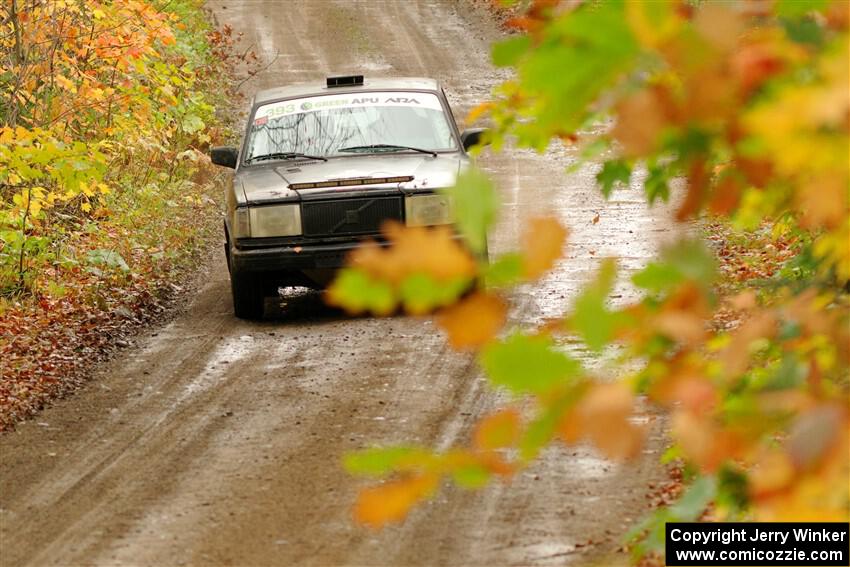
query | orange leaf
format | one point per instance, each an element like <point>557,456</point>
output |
<point>602,416</point>
<point>697,181</point>
<point>640,120</point>
<point>478,111</point>
<point>433,251</point>
<point>521,23</point>
<point>735,357</point>
<point>744,301</point>
<point>543,243</point>
<point>772,472</point>
<point>704,442</point>
<point>725,196</point>
<point>497,430</point>
<point>606,410</point>
<point>823,201</point>
<point>696,394</point>
<point>391,502</point>
<point>474,321</point>
<point>719,25</point>
<point>683,326</point>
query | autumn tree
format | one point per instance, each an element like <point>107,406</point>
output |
<point>105,116</point>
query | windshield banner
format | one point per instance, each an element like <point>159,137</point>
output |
<point>349,100</point>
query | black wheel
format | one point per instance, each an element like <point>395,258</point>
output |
<point>227,247</point>
<point>248,295</point>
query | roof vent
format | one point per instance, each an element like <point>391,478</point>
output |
<point>345,81</point>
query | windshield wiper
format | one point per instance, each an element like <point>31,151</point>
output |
<point>284,155</point>
<point>387,148</point>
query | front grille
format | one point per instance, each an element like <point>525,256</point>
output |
<point>349,216</point>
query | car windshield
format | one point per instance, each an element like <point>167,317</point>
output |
<point>346,124</point>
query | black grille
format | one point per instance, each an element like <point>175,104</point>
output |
<point>349,216</point>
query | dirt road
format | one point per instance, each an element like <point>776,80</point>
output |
<point>217,442</point>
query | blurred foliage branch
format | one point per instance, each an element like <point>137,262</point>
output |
<point>748,102</point>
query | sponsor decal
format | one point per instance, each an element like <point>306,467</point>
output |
<point>318,103</point>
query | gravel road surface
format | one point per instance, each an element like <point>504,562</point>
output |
<point>214,441</point>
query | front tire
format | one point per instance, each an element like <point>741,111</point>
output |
<point>248,295</point>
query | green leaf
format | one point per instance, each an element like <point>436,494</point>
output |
<point>591,318</point>
<point>790,374</point>
<point>379,461</point>
<point>192,124</point>
<point>806,31</point>
<point>693,259</point>
<point>686,259</point>
<point>356,291</point>
<point>506,270</point>
<point>527,364</point>
<point>648,535</point>
<point>656,184</point>
<point>695,500</point>
<point>613,172</point>
<point>109,258</point>
<point>471,476</point>
<point>506,53</point>
<point>475,203</point>
<point>657,277</point>
<point>732,489</point>
<point>579,57</point>
<point>421,293</point>
<point>541,430</point>
<point>798,8</point>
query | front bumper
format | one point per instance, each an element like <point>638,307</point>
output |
<point>298,255</point>
<point>293,257</point>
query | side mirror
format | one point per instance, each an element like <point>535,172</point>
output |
<point>472,137</point>
<point>224,156</point>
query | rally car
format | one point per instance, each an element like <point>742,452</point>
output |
<point>323,166</point>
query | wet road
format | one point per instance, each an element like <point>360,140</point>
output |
<point>217,441</point>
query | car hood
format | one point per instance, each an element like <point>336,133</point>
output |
<point>271,183</point>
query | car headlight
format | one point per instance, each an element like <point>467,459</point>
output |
<point>273,220</point>
<point>428,210</point>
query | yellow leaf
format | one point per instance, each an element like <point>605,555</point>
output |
<point>98,14</point>
<point>652,22</point>
<point>85,207</point>
<point>65,83</point>
<point>474,321</point>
